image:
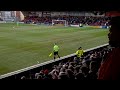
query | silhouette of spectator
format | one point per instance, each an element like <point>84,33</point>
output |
<point>93,70</point>
<point>70,74</point>
<point>79,76</point>
<point>110,67</point>
<point>85,71</point>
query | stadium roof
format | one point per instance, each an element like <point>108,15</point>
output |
<point>60,5</point>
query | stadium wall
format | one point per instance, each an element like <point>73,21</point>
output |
<point>104,27</point>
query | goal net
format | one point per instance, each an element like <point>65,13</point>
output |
<point>59,23</point>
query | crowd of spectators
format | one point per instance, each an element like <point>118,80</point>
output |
<point>86,20</point>
<point>85,68</point>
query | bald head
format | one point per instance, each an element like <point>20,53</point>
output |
<point>115,22</point>
<point>114,34</point>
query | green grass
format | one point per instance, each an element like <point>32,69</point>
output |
<point>26,44</point>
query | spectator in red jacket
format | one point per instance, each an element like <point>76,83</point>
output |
<point>110,67</point>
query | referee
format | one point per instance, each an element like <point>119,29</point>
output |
<point>55,50</point>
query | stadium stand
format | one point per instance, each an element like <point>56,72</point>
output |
<point>95,21</point>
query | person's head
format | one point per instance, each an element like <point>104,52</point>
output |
<point>114,32</point>
<point>39,77</point>
<point>93,66</point>
<point>46,72</point>
<point>79,76</point>
<point>36,74</point>
<point>71,67</point>
<point>70,74</point>
<point>62,69</point>
<point>77,68</point>
<point>79,48</point>
<point>63,76</point>
<point>23,77</point>
<point>54,43</point>
<point>84,69</point>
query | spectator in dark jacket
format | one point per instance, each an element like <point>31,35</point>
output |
<point>110,68</point>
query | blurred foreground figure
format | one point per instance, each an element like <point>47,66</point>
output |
<point>110,67</point>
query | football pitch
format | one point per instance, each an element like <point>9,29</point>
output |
<point>22,46</point>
